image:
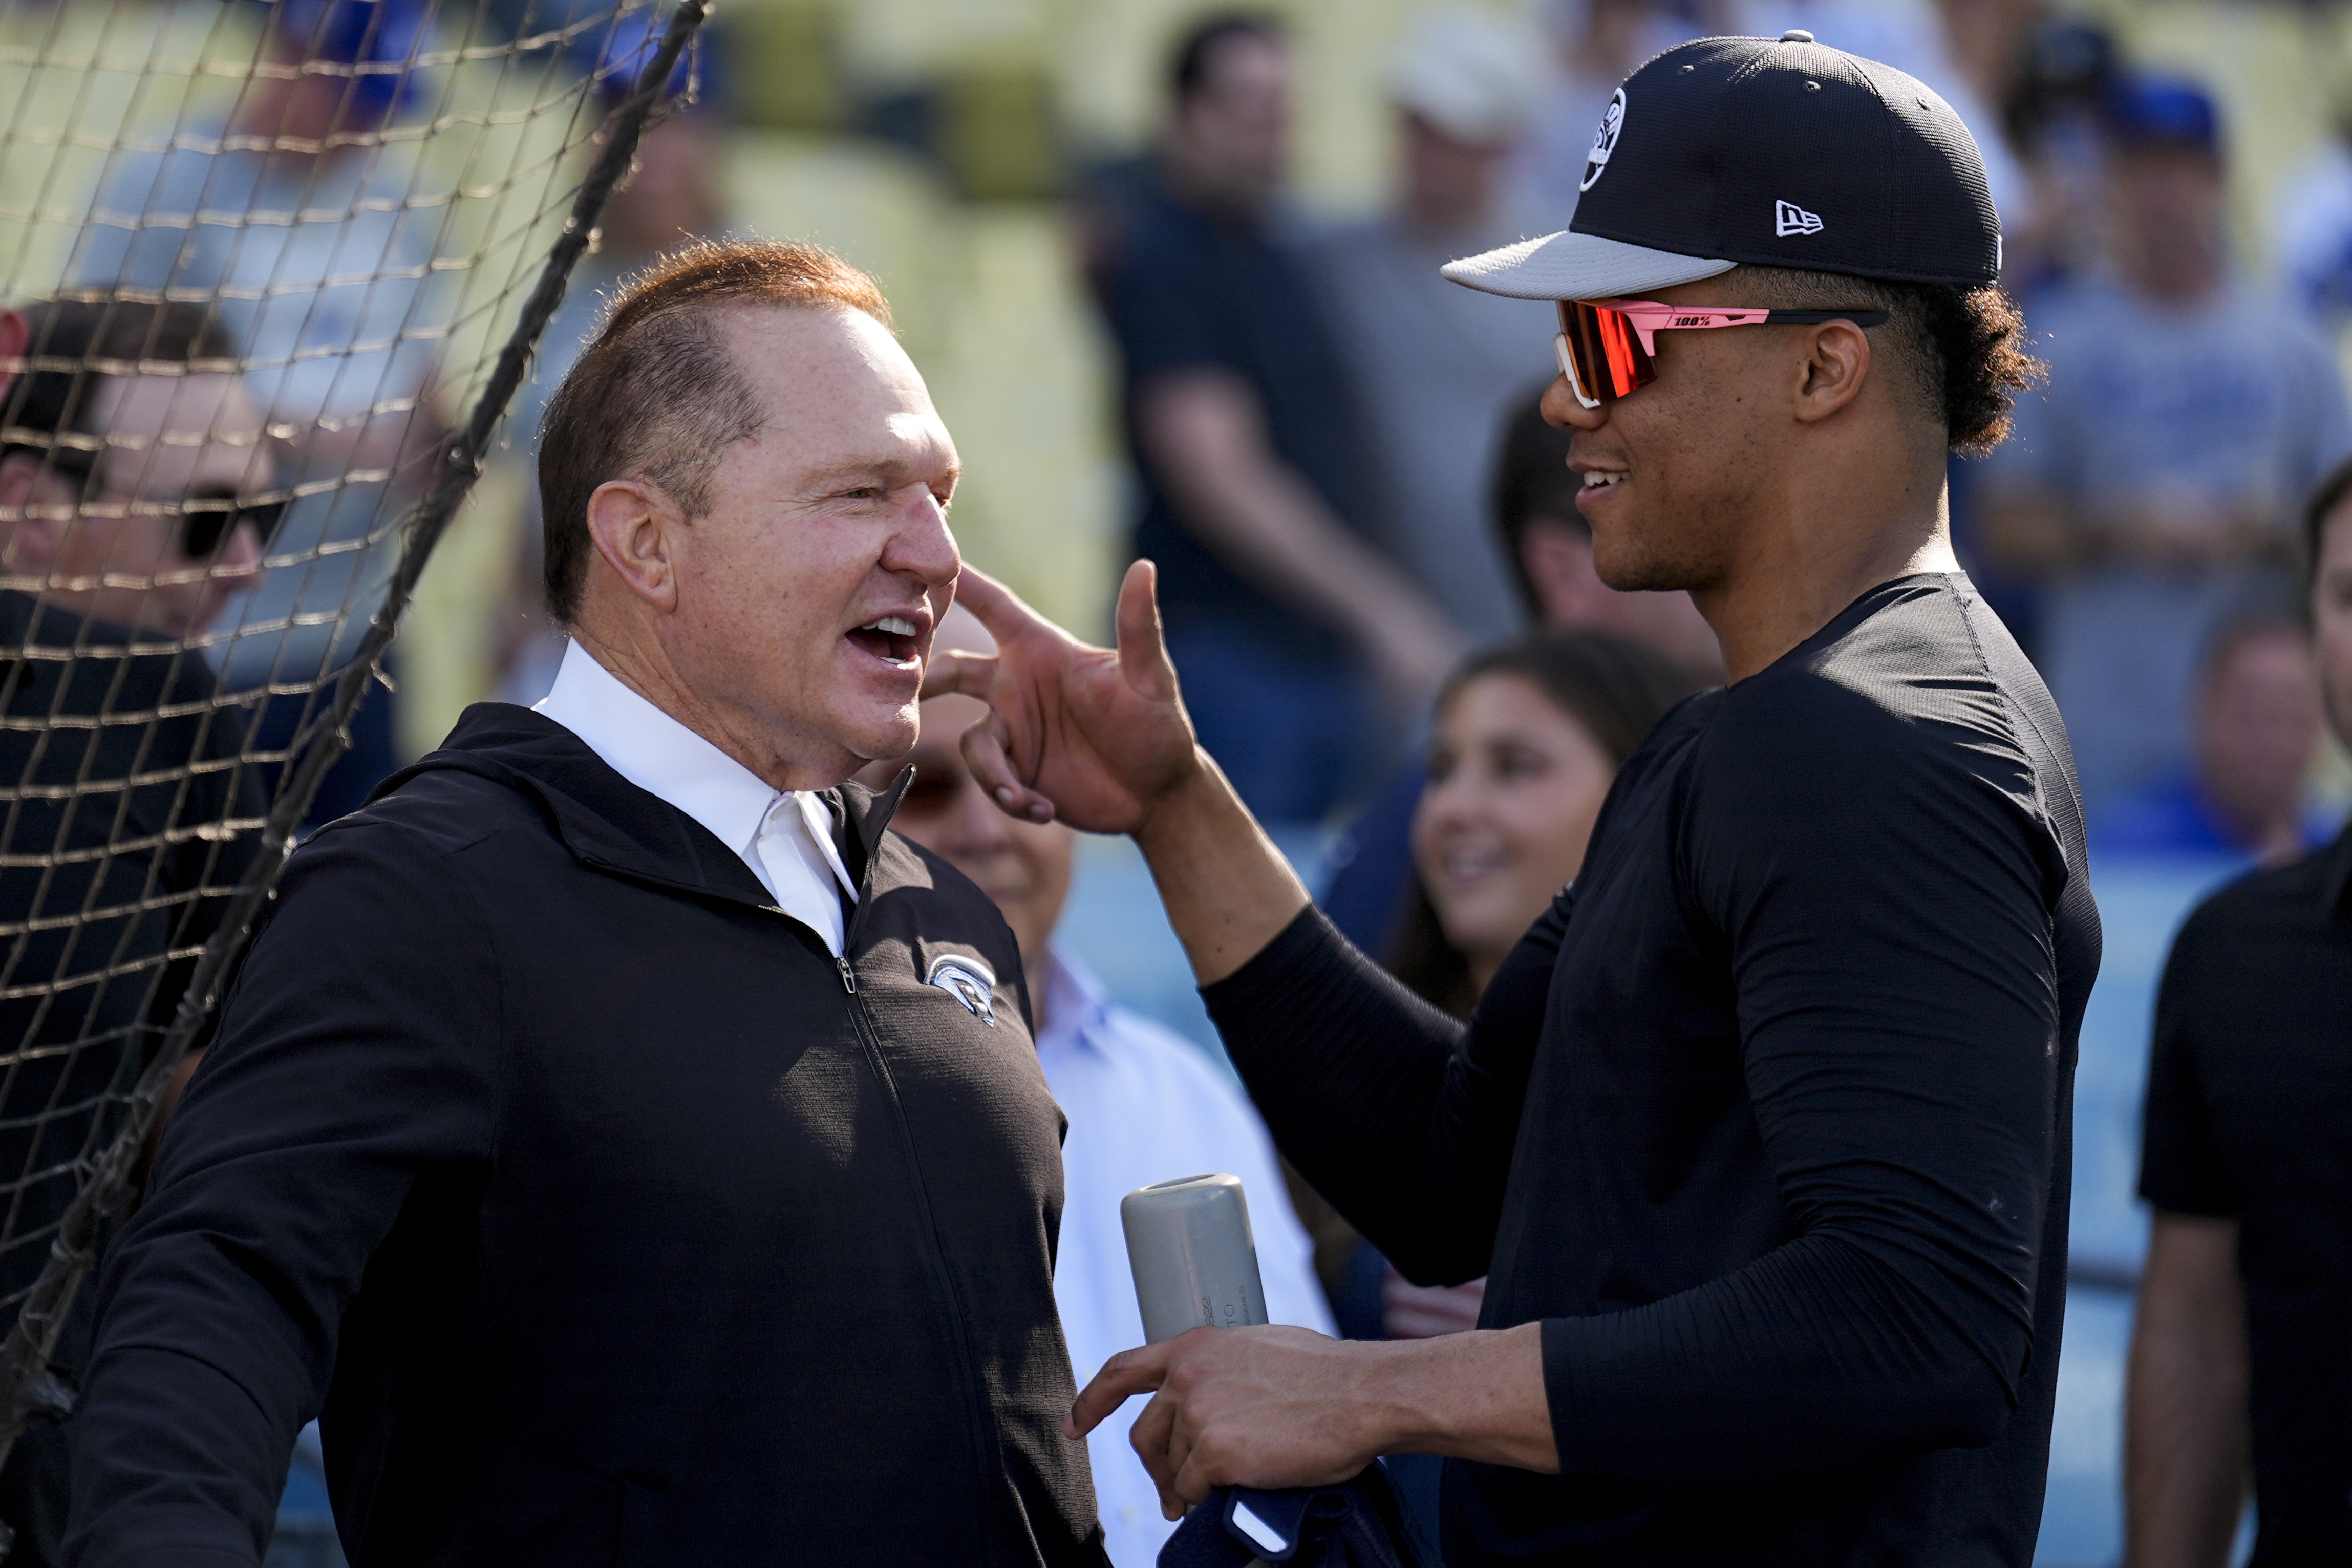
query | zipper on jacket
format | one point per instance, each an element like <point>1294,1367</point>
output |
<point>840,959</point>
<point>987,1464</point>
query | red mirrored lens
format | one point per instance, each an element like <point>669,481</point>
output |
<point>1606,351</point>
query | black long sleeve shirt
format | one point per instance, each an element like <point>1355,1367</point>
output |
<point>1766,1121</point>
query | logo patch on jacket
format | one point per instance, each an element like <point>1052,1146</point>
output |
<point>969,981</point>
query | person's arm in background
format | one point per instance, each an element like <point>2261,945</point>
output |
<point>1203,431</point>
<point>2185,1420</point>
<point>2035,518</point>
<point>2027,529</point>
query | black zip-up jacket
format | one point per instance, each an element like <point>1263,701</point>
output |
<point>599,1212</point>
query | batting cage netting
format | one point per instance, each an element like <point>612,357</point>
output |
<point>279,268</point>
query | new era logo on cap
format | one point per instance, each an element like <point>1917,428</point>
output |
<point>1788,218</point>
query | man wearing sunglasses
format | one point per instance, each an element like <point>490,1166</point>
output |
<point>125,524</point>
<point>137,500</point>
<point>1760,1135</point>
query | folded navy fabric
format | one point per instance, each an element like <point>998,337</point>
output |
<point>1355,1524</point>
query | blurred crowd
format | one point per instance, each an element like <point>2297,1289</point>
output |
<point>1330,451</point>
<point>1378,589</point>
<point>1318,428</point>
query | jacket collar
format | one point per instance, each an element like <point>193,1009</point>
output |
<point>610,824</point>
<point>656,753</point>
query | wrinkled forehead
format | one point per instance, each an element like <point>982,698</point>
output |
<point>830,368</point>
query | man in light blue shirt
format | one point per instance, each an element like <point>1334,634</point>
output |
<point>1144,1103</point>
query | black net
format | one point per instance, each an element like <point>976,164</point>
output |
<point>278,269</point>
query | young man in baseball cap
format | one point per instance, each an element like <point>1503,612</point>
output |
<point>1760,1135</point>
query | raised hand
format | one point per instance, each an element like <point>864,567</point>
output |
<point>1096,736</point>
<point>1099,737</point>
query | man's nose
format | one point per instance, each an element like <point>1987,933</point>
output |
<point>1563,410</point>
<point>922,543</point>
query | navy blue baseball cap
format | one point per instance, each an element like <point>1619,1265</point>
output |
<point>1764,151</point>
<point>2163,111</point>
<point>378,39</point>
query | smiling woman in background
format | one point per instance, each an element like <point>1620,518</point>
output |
<point>1527,740</point>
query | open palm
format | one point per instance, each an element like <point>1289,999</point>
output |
<point>1094,736</point>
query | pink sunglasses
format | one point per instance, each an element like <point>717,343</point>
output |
<point>1606,346</point>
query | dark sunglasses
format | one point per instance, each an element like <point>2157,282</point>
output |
<point>207,517</point>
<point>207,520</point>
<point>1607,347</point>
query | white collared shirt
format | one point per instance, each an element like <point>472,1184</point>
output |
<point>785,836</point>
<point>1145,1105</point>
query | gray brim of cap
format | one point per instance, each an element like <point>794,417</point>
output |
<point>1569,266</point>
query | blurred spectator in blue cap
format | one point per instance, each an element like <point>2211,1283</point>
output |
<point>2160,112</point>
<point>1284,619</point>
<point>296,219</point>
<point>1432,366</point>
<point>675,193</point>
<point>376,38</point>
<point>2150,493</point>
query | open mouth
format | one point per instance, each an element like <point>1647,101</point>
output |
<point>1597,480</point>
<point>890,639</point>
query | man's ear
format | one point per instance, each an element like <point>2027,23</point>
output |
<point>28,545</point>
<point>635,526</point>
<point>1836,368</point>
